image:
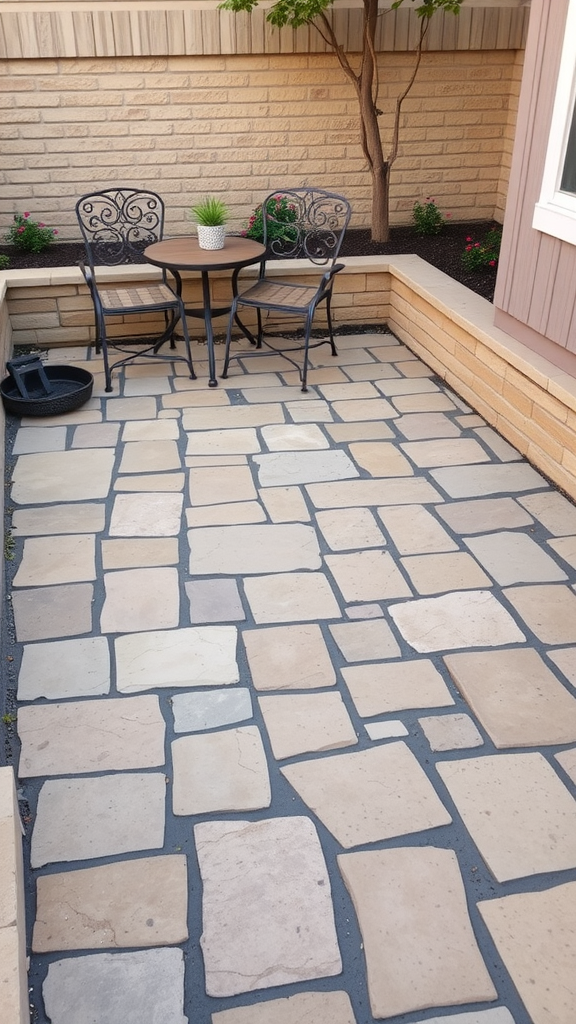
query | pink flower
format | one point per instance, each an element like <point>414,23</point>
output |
<point>54,231</point>
<point>26,214</point>
<point>448,214</point>
<point>468,247</point>
<point>492,263</point>
<point>41,225</point>
<point>469,239</point>
<point>20,230</point>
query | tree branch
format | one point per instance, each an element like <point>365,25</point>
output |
<point>400,99</point>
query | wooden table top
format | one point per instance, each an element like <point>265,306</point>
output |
<point>184,253</point>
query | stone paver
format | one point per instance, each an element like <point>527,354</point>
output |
<point>534,933</point>
<point>516,697</point>
<point>288,658</point>
<point>120,813</point>
<point>306,722</point>
<point>346,792</point>
<point>65,668</point>
<point>347,616</point>
<point>196,656</point>
<point>210,709</point>
<point>409,899</point>
<point>117,988</point>
<point>519,814</point>
<point>220,771</point>
<point>284,870</point>
<point>250,550</point>
<point>87,736</point>
<point>140,902</point>
<point>377,689</point>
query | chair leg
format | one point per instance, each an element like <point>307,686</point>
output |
<point>102,346</point>
<point>186,341</point>
<point>329,319</point>
<point>306,344</point>
<point>259,335</point>
<point>233,313</point>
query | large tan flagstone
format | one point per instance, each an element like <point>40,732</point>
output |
<point>288,658</point>
<point>471,481</point>
<point>285,504</point>
<point>549,611</point>
<point>518,812</point>
<point>267,911</point>
<point>495,1015</point>
<point>473,618</point>
<point>535,934</point>
<point>480,515</point>
<point>142,408</point>
<point>302,1008</point>
<point>248,550</point>
<point>335,392</point>
<point>350,528</point>
<point>216,485</point>
<point>393,491</point>
<point>223,442</point>
<point>121,812</point>
<point>140,599</point>
<point>379,689</point>
<point>567,758</point>
<point>566,548</point>
<point>150,430</point>
<point>42,613</point>
<point>518,700</point>
<point>287,437</point>
<point>65,668</point>
<point>287,468</point>
<point>62,476</point>
<point>306,722</point>
<point>140,902</point>
<point>450,732</point>
<point>553,510</point>
<point>366,640</point>
<point>91,735</point>
<point>438,573</point>
<point>369,430</point>
<point>153,514</point>
<point>232,417</point>
<point>368,576</point>
<point>195,656</point>
<point>135,552</point>
<point>415,530</point>
<point>291,597</point>
<point>445,452</point>
<point>150,482</point>
<point>59,559</point>
<point>88,517</point>
<point>364,408</point>
<point>149,457</point>
<point>220,771</point>
<point>512,557</point>
<point>418,939</point>
<point>435,402</point>
<point>232,514</point>
<point>380,458</point>
<point>347,793</point>
<point>426,425</point>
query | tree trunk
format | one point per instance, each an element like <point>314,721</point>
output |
<point>380,202</point>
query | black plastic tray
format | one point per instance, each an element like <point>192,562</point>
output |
<point>71,387</point>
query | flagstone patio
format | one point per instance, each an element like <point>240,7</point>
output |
<point>297,715</point>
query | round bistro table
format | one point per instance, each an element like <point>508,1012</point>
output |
<point>184,253</point>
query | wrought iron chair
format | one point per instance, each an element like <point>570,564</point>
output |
<point>302,222</point>
<point>117,225</point>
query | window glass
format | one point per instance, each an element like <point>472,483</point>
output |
<point>568,181</point>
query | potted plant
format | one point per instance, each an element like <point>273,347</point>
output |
<point>210,216</point>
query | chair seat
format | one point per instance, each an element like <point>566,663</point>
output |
<point>142,296</point>
<point>284,294</point>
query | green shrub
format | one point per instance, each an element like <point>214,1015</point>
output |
<point>427,218</point>
<point>29,235</point>
<point>479,255</point>
<point>281,213</point>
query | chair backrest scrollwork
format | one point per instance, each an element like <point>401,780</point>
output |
<point>306,223</point>
<point>118,224</point>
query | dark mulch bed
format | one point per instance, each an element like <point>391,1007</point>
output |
<point>443,251</point>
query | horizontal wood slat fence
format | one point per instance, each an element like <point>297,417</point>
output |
<point>118,28</point>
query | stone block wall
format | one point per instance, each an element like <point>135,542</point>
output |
<point>241,125</point>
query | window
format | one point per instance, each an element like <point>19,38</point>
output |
<point>555,211</point>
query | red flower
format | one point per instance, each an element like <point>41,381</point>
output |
<point>20,230</point>
<point>448,214</point>
<point>492,263</point>
<point>41,225</point>
<point>26,214</point>
<point>468,247</point>
<point>54,231</point>
<point>469,239</point>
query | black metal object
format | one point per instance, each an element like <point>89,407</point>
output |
<point>117,225</point>
<point>36,390</point>
<point>301,223</point>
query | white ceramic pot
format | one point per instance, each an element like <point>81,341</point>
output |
<point>211,236</point>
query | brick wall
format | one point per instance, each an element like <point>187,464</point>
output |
<point>240,125</point>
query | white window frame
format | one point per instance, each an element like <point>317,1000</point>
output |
<point>555,211</point>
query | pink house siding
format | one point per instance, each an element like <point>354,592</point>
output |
<point>535,295</point>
